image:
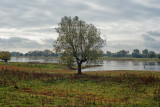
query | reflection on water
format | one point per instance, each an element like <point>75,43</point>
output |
<point>126,65</point>
<point>41,60</point>
<point>106,65</point>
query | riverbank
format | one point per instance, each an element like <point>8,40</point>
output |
<point>24,84</point>
<point>130,59</point>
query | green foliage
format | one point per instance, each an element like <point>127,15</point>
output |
<point>122,53</point>
<point>79,40</point>
<point>69,61</point>
<point>5,56</point>
<point>136,53</point>
<point>151,54</point>
<point>159,56</point>
<point>108,53</point>
<point>45,53</point>
<point>145,53</point>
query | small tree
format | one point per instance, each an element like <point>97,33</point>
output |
<point>5,56</point>
<point>79,40</point>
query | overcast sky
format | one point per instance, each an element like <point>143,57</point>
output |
<point>125,24</point>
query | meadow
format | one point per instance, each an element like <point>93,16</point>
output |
<point>40,84</point>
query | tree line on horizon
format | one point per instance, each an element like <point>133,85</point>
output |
<point>135,54</point>
<point>35,53</point>
<point>122,53</point>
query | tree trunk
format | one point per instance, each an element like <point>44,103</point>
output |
<point>79,69</point>
<point>6,62</point>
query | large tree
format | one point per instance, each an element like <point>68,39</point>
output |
<point>78,39</point>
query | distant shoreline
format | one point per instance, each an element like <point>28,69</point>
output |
<point>130,59</point>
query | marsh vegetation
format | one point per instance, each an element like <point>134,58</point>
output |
<point>36,84</point>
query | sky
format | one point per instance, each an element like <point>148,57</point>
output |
<point>27,25</point>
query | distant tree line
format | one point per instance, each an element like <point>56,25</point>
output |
<point>135,54</point>
<point>122,53</point>
<point>45,53</point>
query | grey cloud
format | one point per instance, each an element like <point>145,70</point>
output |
<point>17,42</point>
<point>150,42</point>
<point>126,10</point>
<point>41,30</point>
<point>124,45</point>
<point>19,13</point>
<point>115,46</point>
<point>148,38</point>
<point>50,40</point>
<point>154,33</point>
<point>152,45</point>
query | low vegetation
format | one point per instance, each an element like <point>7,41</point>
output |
<point>36,84</point>
<point>130,59</point>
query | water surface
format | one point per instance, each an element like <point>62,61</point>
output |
<point>107,65</point>
<point>126,65</point>
<point>34,59</point>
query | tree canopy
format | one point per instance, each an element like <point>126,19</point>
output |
<point>136,53</point>
<point>151,54</point>
<point>5,56</point>
<point>78,39</point>
<point>145,53</point>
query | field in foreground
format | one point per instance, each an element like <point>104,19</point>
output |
<point>34,84</point>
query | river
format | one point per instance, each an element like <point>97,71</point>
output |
<point>107,64</point>
<point>126,65</point>
<point>34,59</point>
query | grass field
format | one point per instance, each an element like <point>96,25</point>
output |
<point>35,84</point>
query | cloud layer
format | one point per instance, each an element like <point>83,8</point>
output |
<point>126,24</point>
<point>24,45</point>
